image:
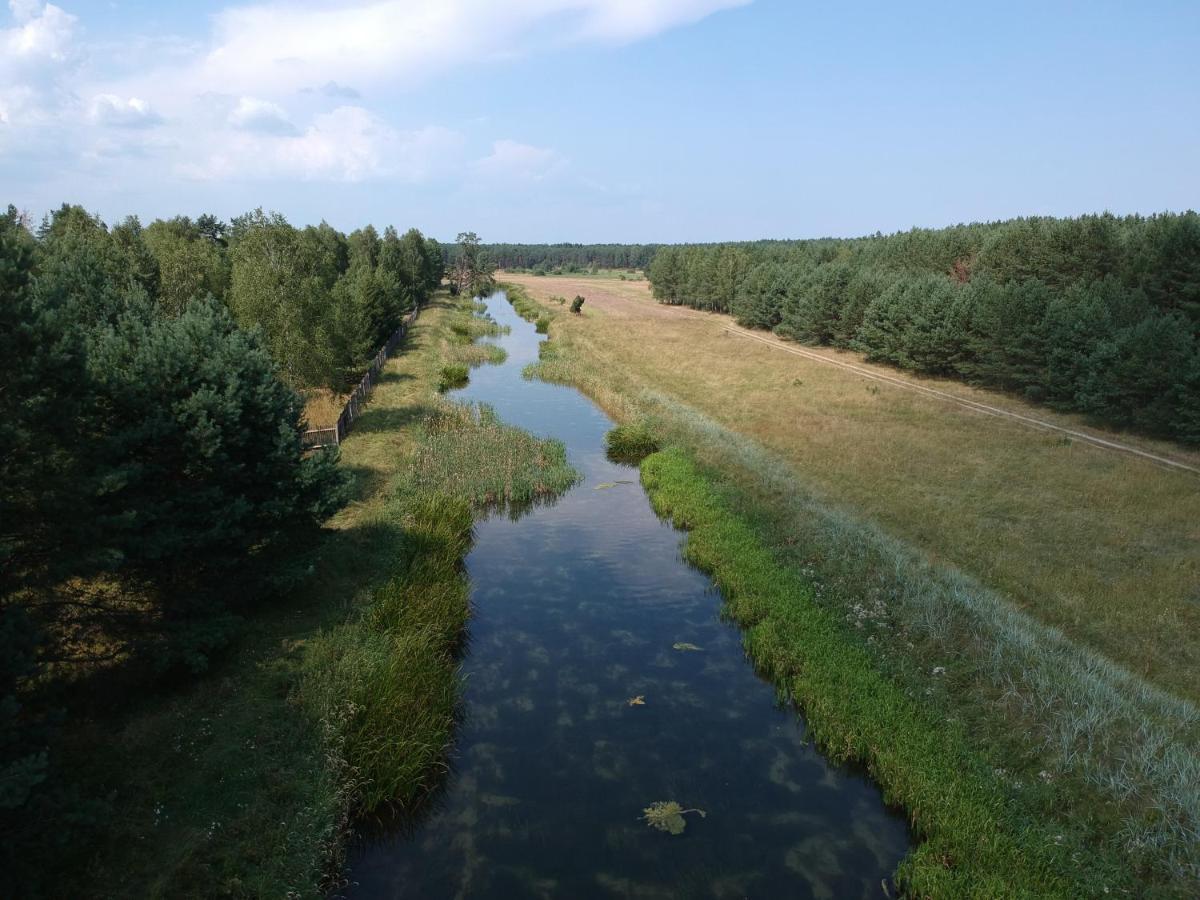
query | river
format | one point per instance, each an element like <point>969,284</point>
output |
<point>585,704</point>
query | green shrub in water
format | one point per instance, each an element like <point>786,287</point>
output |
<point>453,376</point>
<point>630,443</point>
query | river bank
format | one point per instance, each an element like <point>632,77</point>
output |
<point>1084,771</point>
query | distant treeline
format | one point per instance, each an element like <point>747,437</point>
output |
<point>153,485</point>
<point>1096,314</point>
<point>564,257</point>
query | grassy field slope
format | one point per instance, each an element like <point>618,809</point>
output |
<point>1104,546</point>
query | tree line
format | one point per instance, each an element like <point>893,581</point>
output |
<point>152,458</point>
<point>544,258</point>
<point>1097,314</point>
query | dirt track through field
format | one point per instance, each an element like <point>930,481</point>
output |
<point>962,401</point>
<point>632,299</point>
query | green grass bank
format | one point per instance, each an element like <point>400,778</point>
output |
<point>973,843</point>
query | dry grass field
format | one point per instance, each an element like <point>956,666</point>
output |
<point>1100,543</point>
<point>322,407</point>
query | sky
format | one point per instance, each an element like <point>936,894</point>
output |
<point>602,120</point>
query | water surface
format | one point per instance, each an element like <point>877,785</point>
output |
<point>577,607</point>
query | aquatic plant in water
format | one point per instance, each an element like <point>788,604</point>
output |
<point>667,815</point>
<point>452,376</point>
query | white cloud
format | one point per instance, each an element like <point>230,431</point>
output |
<point>35,56</point>
<point>252,114</point>
<point>333,89</point>
<point>43,34</point>
<point>129,146</point>
<point>513,161</point>
<point>252,100</point>
<point>347,144</point>
<point>24,10</point>
<point>399,40</point>
<point>112,111</point>
<point>623,21</point>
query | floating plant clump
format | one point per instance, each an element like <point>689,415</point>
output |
<point>667,815</point>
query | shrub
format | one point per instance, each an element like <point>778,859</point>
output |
<point>630,443</point>
<point>577,304</point>
<point>542,325</point>
<point>453,376</point>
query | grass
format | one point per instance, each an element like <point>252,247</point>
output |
<point>471,355</point>
<point>597,273</point>
<point>1068,532</point>
<point>528,308</point>
<point>241,783</point>
<point>1079,746</point>
<point>630,443</point>
<point>463,349</point>
<point>322,407</point>
<point>454,375</point>
<point>469,453</point>
<point>385,686</point>
<point>974,842</point>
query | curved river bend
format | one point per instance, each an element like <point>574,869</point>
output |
<point>577,608</point>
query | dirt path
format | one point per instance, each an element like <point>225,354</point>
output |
<point>632,300</point>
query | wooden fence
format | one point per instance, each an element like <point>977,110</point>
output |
<point>334,434</point>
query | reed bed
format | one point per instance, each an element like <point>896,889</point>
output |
<point>528,308</point>
<point>386,686</point>
<point>468,453</point>
<point>462,347</point>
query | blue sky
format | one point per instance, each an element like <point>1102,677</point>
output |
<point>602,120</point>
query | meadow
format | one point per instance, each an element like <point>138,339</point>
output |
<point>983,566</point>
<point>1070,532</point>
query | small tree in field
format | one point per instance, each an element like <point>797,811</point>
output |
<point>577,304</point>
